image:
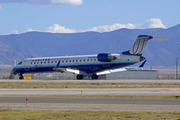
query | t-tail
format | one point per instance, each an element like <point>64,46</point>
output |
<point>140,44</point>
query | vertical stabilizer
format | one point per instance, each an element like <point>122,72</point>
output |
<point>139,45</point>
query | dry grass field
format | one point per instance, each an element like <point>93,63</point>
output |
<point>85,115</point>
<point>86,85</point>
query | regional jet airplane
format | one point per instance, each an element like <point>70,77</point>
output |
<point>94,65</point>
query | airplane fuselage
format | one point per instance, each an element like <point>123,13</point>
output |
<point>88,63</point>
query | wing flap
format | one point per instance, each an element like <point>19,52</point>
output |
<point>111,71</point>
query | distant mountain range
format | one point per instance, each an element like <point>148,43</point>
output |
<point>159,53</point>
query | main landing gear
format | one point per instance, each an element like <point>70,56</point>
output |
<point>94,76</point>
<point>80,76</point>
<point>21,76</point>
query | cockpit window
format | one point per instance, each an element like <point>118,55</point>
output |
<point>20,63</point>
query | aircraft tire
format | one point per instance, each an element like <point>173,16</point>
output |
<point>79,77</point>
<point>94,76</point>
<point>21,77</point>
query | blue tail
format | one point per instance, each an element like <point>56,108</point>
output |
<point>139,45</point>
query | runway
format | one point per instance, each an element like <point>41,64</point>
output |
<point>92,91</point>
<point>98,81</point>
<point>91,104</point>
<point>8,101</point>
<point>110,101</point>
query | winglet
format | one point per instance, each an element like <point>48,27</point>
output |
<point>57,65</point>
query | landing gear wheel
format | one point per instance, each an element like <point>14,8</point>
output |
<point>79,77</point>
<point>94,76</point>
<point>21,76</point>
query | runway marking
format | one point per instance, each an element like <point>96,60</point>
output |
<point>91,104</point>
<point>167,90</point>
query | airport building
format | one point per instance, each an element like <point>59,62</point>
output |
<point>133,74</point>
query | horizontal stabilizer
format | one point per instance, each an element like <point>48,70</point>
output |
<point>160,38</point>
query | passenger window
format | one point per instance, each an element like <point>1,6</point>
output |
<point>41,62</point>
<point>73,60</point>
<point>37,62</point>
<point>94,59</point>
<point>31,62</point>
<point>55,61</point>
<point>76,60</point>
<point>70,61</point>
<point>51,61</point>
<point>34,62</point>
<point>80,60</point>
<point>84,60</point>
<point>66,61</point>
<point>87,59</point>
<point>44,62</point>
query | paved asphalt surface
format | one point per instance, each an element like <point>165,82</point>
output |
<point>91,100</point>
<point>100,81</point>
<point>92,104</point>
<point>91,91</point>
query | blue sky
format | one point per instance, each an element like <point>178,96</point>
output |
<point>69,16</point>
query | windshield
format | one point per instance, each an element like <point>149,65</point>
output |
<point>20,63</point>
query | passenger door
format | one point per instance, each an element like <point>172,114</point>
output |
<point>26,65</point>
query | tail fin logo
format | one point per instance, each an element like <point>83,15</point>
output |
<point>139,46</point>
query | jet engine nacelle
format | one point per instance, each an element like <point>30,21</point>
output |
<point>105,57</point>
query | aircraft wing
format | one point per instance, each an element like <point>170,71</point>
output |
<point>76,71</point>
<point>111,71</point>
<point>119,69</point>
<point>67,70</point>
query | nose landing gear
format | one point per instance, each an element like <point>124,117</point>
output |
<point>21,76</point>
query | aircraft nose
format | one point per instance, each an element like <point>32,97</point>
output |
<point>14,71</point>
